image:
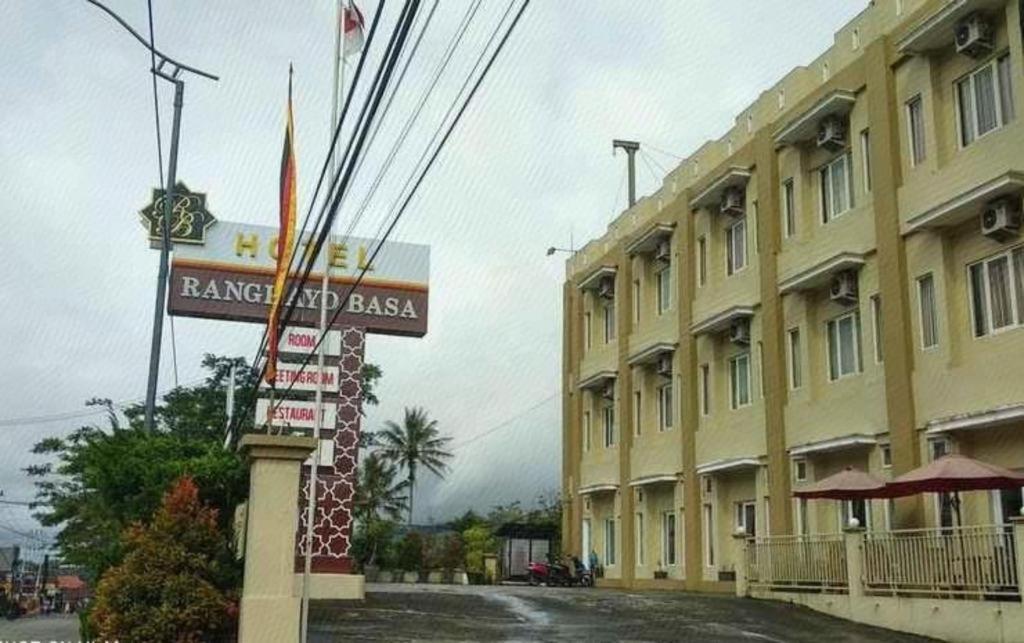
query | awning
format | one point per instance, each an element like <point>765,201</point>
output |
<point>601,487</point>
<point>593,280</point>
<point>848,484</point>
<point>651,353</point>
<point>977,420</point>
<point>822,272</point>
<point>834,444</point>
<point>721,320</point>
<point>597,379</point>
<point>735,176</point>
<point>728,464</point>
<point>968,203</point>
<point>805,126</point>
<point>936,30</point>
<point>648,241</point>
<point>660,478</point>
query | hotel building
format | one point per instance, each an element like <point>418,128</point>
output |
<point>837,281</point>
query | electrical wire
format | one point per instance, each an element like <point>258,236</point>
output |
<point>650,168</point>
<point>653,160</point>
<point>618,194</point>
<point>661,151</point>
<point>506,423</point>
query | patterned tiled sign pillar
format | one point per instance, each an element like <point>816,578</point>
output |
<point>332,525</point>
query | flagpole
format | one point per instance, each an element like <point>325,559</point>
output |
<point>337,87</point>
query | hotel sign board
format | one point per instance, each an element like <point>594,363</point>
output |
<point>230,277</point>
<point>299,342</point>
<point>295,414</point>
<point>296,378</point>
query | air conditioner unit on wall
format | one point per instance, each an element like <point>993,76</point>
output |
<point>832,133</point>
<point>1001,219</point>
<point>606,289</point>
<point>739,331</point>
<point>974,36</point>
<point>732,202</point>
<point>844,287</point>
<point>664,366</point>
<point>664,251</point>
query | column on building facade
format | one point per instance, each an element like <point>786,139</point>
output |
<point>625,418</point>
<point>897,343</point>
<point>572,512</point>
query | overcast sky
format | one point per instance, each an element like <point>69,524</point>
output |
<point>530,166</point>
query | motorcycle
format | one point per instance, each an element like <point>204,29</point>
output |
<point>555,573</point>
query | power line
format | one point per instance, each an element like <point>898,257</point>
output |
<point>650,168</point>
<point>661,151</point>
<point>618,194</point>
<point>651,159</point>
<point>504,424</point>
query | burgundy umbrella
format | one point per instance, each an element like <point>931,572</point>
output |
<point>952,473</point>
<point>848,484</point>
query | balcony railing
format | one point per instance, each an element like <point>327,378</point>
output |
<point>806,563</point>
<point>962,562</point>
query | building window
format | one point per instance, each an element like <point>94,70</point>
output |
<point>702,261</point>
<point>836,188</point>
<point>636,301</point>
<point>796,375</point>
<point>997,292</point>
<point>668,538</point>
<point>639,538</point>
<point>843,346</point>
<point>915,128</point>
<point>858,509</point>
<point>984,100</point>
<point>709,535</point>
<point>865,155</point>
<point>789,208</point>
<point>926,304</point>
<point>588,332</point>
<point>746,517</point>
<point>800,470</point>
<point>705,389</point>
<point>736,246</point>
<point>638,413</point>
<point>802,524</point>
<point>586,431</point>
<point>739,381</point>
<point>886,456</point>
<point>665,407</point>
<point>876,326</point>
<point>754,226</point>
<point>609,426</point>
<point>609,542</point>
<point>760,368</point>
<point>664,279</point>
<point>609,322</point>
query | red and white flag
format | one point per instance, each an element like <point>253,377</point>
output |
<point>352,26</point>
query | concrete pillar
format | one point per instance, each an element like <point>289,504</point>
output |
<point>270,606</point>
<point>1018,542</point>
<point>853,538</point>
<point>739,544</point>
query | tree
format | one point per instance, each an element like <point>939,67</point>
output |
<point>170,586</point>
<point>415,443</point>
<point>379,502</point>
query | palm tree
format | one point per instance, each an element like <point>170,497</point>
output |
<point>378,493</point>
<point>415,443</point>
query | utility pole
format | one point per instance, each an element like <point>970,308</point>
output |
<point>631,148</point>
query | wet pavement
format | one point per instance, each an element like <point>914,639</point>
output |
<point>515,613</point>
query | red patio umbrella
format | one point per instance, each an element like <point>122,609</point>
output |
<point>848,484</point>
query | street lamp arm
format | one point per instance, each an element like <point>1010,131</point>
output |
<point>145,43</point>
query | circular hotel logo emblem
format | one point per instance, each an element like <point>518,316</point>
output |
<point>189,217</point>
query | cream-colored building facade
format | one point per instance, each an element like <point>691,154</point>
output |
<point>811,291</point>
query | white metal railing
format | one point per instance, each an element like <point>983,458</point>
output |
<point>815,562</point>
<point>955,562</point>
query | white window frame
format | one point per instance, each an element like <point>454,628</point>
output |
<point>704,375</point>
<point>636,301</point>
<point>609,542</point>
<point>734,400</point>
<point>846,511</point>
<point>740,518</point>
<point>587,426</point>
<point>735,263</point>
<point>638,411</point>
<point>886,460</point>
<point>865,158</point>
<point>876,327</point>
<point>588,330</point>
<point>932,312</point>
<point>798,464</point>
<point>803,522</point>
<point>663,279</point>
<point>856,345</point>
<point>916,106</point>
<point>795,365</point>
<point>760,368</point>
<point>1012,277</point>
<point>826,180</point>
<point>789,208</point>
<point>608,321</point>
<point>709,534</point>
<point>665,400</point>
<point>609,426</point>
<point>702,261</point>
<point>669,550</point>
<point>639,526</point>
<point>969,78</point>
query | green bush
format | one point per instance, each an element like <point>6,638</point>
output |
<point>410,553</point>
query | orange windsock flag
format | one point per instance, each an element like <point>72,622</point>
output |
<point>285,238</point>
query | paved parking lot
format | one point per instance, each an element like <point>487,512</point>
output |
<point>503,613</point>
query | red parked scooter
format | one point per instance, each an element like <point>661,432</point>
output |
<point>554,573</point>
